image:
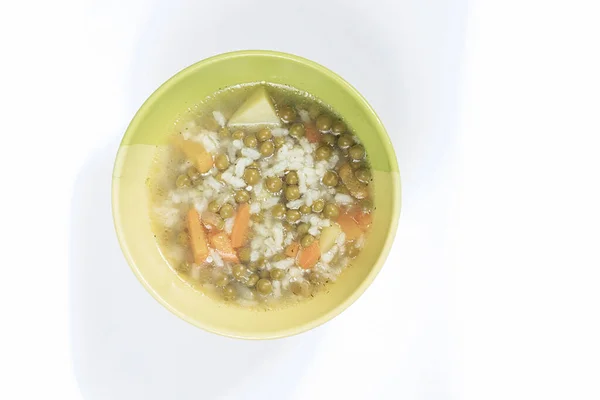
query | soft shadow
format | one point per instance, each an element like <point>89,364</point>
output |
<point>125,345</point>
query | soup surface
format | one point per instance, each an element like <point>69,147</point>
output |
<point>263,196</point>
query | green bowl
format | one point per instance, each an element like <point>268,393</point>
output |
<point>147,132</point>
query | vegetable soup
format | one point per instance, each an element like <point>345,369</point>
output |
<point>263,197</point>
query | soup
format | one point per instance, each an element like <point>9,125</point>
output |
<point>263,196</point>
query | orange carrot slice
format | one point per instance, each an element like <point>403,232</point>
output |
<point>196,153</point>
<point>364,220</point>
<point>312,134</point>
<point>239,233</point>
<point>349,226</point>
<point>197,236</point>
<point>222,244</point>
<point>309,256</point>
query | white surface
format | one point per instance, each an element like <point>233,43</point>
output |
<point>147,342</point>
<point>491,290</point>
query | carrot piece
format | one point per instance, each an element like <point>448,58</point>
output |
<point>364,220</point>
<point>196,153</point>
<point>239,233</point>
<point>197,236</point>
<point>309,256</point>
<point>349,226</point>
<point>292,249</point>
<point>222,244</point>
<point>312,134</point>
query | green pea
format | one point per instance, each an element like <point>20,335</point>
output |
<point>307,240</point>
<point>251,176</point>
<point>297,130</point>
<point>219,223</point>
<point>267,148</point>
<point>250,140</point>
<point>244,254</point>
<point>278,141</point>
<point>330,179</point>
<point>300,288</point>
<point>258,218</point>
<point>241,196</point>
<point>357,165</point>
<point>302,229</point>
<point>264,286</point>
<point>252,279</point>
<point>291,178</point>
<point>221,162</point>
<point>353,252</point>
<point>184,267</point>
<point>194,175</point>
<point>286,225</point>
<point>264,134</point>
<point>292,192</point>
<point>237,135</point>
<point>223,132</point>
<point>214,206</point>
<point>229,292</point>
<point>278,210</point>
<point>363,175</point>
<point>342,189</point>
<point>226,211</point>
<point>338,128</point>
<point>293,216</point>
<point>273,184</point>
<point>323,153</point>
<point>304,209</point>
<point>278,257</point>
<point>183,181</point>
<point>277,274</point>
<point>345,141</point>
<point>264,273</point>
<point>318,205</point>
<point>331,211</point>
<point>255,265</point>
<point>239,272</point>
<point>222,280</point>
<point>287,114</point>
<point>323,123</point>
<point>356,152</point>
<point>328,139</point>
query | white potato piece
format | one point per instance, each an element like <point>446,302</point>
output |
<point>258,110</point>
<point>328,237</point>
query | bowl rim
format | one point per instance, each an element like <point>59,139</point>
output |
<point>396,194</point>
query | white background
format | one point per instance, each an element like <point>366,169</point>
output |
<point>491,289</point>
